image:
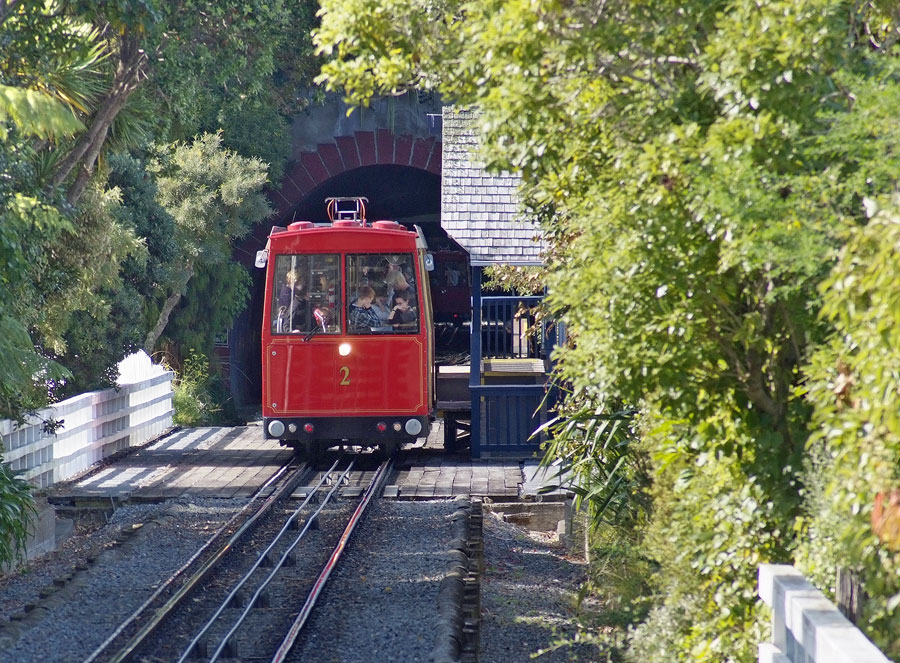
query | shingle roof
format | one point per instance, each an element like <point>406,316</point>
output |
<point>478,209</point>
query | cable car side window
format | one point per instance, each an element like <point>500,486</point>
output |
<point>381,294</point>
<point>305,284</point>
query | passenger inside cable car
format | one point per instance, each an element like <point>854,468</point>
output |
<point>292,303</point>
<point>293,307</point>
<point>383,274</point>
<point>362,316</point>
<point>399,285</point>
<point>403,316</point>
<point>380,305</point>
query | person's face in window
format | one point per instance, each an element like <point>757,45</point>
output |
<point>402,303</point>
<point>364,302</point>
<point>294,280</point>
<point>400,284</point>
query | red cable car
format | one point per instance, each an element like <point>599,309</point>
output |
<point>347,332</point>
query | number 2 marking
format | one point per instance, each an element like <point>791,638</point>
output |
<point>345,376</point>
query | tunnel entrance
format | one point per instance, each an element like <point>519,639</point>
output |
<point>394,192</point>
<point>398,193</point>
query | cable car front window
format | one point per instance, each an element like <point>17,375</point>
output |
<point>381,294</point>
<point>305,284</point>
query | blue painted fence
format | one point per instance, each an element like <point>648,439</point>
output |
<point>505,415</point>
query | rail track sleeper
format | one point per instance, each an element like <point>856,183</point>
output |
<point>230,650</point>
<point>262,600</point>
<point>200,649</point>
<point>145,620</point>
<point>290,560</point>
<point>214,622</point>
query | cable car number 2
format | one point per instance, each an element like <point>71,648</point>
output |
<point>345,376</point>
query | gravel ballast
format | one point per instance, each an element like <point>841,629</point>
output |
<point>381,602</point>
<point>528,596</point>
<point>390,580</point>
<point>103,578</point>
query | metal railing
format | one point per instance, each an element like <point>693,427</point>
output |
<point>510,328</point>
<point>505,417</point>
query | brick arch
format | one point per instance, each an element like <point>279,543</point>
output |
<point>363,148</point>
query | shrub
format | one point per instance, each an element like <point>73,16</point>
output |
<point>17,512</point>
<point>199,396</point>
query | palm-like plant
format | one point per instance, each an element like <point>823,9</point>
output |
<point>598,459</point>
<point>50,71</point>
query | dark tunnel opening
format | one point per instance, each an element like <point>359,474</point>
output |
<point>394,192</point>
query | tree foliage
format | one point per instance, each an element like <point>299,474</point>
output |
<point>214,197</point>
<point>698,167</point>
<point>88,255</point>
<point>90,320</point>
<point>857,443</point>
<point>80,80</point>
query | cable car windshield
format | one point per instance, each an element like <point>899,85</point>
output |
<point>381,294</point>
<point>305,284</point>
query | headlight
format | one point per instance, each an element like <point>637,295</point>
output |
<point>413,426</point>
<point>276,428</point>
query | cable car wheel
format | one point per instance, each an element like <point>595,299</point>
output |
<point>310,450</point>
<point>388,449</point>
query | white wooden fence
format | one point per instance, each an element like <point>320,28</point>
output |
<point>93,425</point>
<point>806,626</point>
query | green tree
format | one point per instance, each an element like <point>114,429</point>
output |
<point>79,81</point>
<point>854,383</point>
<point>696,166</point>
<point>141,211</point>
<point>85,265</point>
<point>214,196</point>
<point>30,109</point>
<point>177,69</point>
<point>251,60</point>
<point>84,295</point>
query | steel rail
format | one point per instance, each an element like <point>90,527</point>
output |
<point>304,613</point>
<point>189,651</point>
<point>201,573</point>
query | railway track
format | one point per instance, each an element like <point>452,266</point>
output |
<point>238,598</point>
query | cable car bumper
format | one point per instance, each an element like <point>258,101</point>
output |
<point>375,429</point>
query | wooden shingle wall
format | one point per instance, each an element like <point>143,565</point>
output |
<point>478,209</point>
